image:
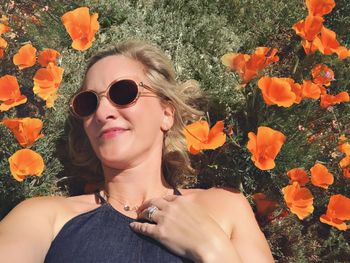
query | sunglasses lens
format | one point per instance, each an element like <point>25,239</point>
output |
<point>85,103</point>
<point>123,92</point>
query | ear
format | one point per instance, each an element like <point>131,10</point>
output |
<point>168,116</point>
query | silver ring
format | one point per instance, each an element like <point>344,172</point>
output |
<point>151,210</point>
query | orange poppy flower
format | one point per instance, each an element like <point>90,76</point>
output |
<point>338,210</point>
<point>309,28</point>
<point>310,90</point>
<point>264,206</point>
<point>48,55</point>
<point>320,176</point>
<point>3,43</point>
<point>26,162</point>
<point>296,88</point>
<point>4,28</point>
<point>322,75</point>
<point>345,162</point>
<point>46,83</point>
<point>279,91</point>
<point>344,148</point>
<point>81,27</point>
<point>319,7</point>
<point>337,223</point>
<point>309,47</point>
<point>264,56</point>
<point>298,175</point>
<point>298,199</point>
<point>25,57</point>
<point>346,172</point>
<point>327,44</point>
<point>328,100</point>
<point>26,130</point>
<point>265,146</point>
<point>3,46</point>
<point>10,93</point>
<point>238,63</point>
<point>199,137</point>
<point>248,66</point>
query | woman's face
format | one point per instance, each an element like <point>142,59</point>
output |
<point>136,132</point>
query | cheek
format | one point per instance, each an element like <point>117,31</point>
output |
<point>88,130</point>
<point>147,117</point>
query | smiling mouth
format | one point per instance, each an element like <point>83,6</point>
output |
<point>111,133</point>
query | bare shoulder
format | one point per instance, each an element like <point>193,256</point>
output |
<point>43,211</point>
<point>221,197</point>
<point>222,204</point>
<point>31,226</point>
<point>232,211</point>
<point>46,206</point>
<point>227,205</point>
<point>43,206</point>
<point>39,211</point>
<point>28,228</point>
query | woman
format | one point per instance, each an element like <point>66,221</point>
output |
<point>133,113</point>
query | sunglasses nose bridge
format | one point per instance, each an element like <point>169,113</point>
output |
<point>105,108</point>
<point>102,94</point>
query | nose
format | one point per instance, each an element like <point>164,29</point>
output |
<point>106,110</point>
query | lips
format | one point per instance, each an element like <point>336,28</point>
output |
<point>111,131</point>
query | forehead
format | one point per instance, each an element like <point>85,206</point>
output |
<point>111,68</point>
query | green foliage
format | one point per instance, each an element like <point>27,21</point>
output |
<point>195,34</point>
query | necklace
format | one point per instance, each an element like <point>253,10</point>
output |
<point>126,206</point>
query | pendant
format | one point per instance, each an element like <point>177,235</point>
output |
<point>126,208</point>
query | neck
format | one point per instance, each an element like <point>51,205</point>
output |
<point>135,185</point>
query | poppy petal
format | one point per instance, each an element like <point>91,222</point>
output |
<point>216,137</point>
<point>298,199</point>
<point>24,163</point>
<point>310,90</point>
<point>26,130</point>
<point>25,57</point>
<point>339,224</point>
<point>48,56</point>
<point>277,91</point>
<point>320,7</point>
<point>264,147</point>
<point>81,27</point>
<point>298,175</point>
<point>320,176</point>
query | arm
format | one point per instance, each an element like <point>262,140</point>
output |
<point>26,232</point>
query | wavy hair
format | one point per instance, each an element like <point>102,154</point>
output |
<point>184,97</point>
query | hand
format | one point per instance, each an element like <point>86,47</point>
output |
<point>182,226</point>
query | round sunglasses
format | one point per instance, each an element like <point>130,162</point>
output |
<point>121,93</point>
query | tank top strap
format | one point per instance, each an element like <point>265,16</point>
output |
<point>102,200</point>
<point>99,196</point>
<point>176,191</point>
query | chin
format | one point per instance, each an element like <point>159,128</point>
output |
<point>116,164</point>
<point>117,158</point>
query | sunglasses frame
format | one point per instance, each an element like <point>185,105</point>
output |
<point>105,93</point>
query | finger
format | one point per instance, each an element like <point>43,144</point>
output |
<point>145,214</point>
<point>170,198</point>
<point>158,202</point>
<point>144,228</point>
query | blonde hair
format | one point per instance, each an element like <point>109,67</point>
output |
<point>176,164</point>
